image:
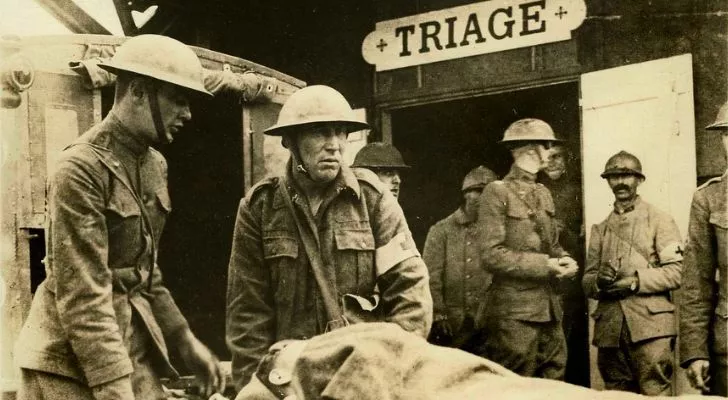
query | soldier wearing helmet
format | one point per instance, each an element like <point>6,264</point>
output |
<point>458,282</point>
<point>385,161</point>
<point>560,179</point>
<point>634,260</point>
<point>521,250</point>
<point>320,247</point>
<point>101,324</point>
<point>703,299</point>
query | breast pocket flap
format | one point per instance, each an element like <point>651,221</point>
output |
<point>123,204</point>
<point>164,200</point>
<point>359,239</point>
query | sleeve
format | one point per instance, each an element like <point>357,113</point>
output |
<point>669,253</point>
<point>78,248</point>
<point>593,259</point>
<point>250,316</point>
<point>499,258</point>
<point>165,310</point>
<point>695,299</point>
<point>434,256</point>
<point>401,274</point>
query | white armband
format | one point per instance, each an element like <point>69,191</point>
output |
<point>673,252</point>
<point>400,248</point>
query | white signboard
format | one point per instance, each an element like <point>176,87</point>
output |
<point>469,30</point>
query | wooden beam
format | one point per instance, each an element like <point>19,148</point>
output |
<point>73,17</point>
<point>127,21</point>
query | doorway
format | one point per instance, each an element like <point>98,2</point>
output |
<point>442,141</point>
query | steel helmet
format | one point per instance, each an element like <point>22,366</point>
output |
<point>623,163</point>
<point>529,129</point>
<point>379,155</point>
<point>721,120</point>
<point>159,57</point>
<point>478,177</point>
<point>315,104</point>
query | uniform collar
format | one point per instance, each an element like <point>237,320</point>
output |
<point>127,139</point>
<point>462,218</point>
<point>629,207</point>
<point>345,182</point>
<point>518,174</point>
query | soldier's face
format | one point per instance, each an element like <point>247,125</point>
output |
<point>174,109</point>
<point>544,150</point>
<point>472,200</point>
<point>557,163</point>
<point>391,179</point>
<point>321,148</point>
<point>624,186</point>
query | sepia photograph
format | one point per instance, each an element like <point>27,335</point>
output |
<point>322,199</point>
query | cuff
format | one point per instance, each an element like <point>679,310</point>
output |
<point>109,372</point>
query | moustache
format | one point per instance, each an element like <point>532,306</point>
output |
<point>619,187</point>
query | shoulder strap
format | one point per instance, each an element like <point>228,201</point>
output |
<point>325,283</point>
<point>630,241</point>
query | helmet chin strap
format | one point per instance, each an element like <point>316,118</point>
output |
<point>152,91</point>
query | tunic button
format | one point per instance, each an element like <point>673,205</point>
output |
<point>468,243</point>
<point>467,276</point>
<point>469,259</point>
<point>279,377</point>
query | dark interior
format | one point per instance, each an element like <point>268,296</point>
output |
<point>443,141</point>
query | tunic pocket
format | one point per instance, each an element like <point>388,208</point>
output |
<point>355,261</point>
<point>124,227</point>
<point>280,252</point>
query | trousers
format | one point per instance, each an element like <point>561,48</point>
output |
<point>533,349</point>
<point>145,382</point>
<point>644,367</point>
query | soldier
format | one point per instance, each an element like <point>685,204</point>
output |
<point>322,246</point>
<point>101,323</point>
<point>633,262</point>
<point>385,161</point>
<point>458,283</point>
<point>565,187</point>
<point>704,296</point>
<point>521,250</point>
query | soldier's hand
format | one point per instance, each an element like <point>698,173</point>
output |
<point>622,287</point>
<point>203,363</point>
<point>607,275</point>
<point>698,374</point>
<point>570,267</point>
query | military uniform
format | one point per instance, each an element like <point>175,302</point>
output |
<point>566,192</point>
<point>458,282</point>
<point>102,312</point>
<point>523,313</point>
<point>703,300</point>
<point>635,334</point>
<point>364,243</point>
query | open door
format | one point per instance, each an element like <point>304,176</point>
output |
<point>645,109</point>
